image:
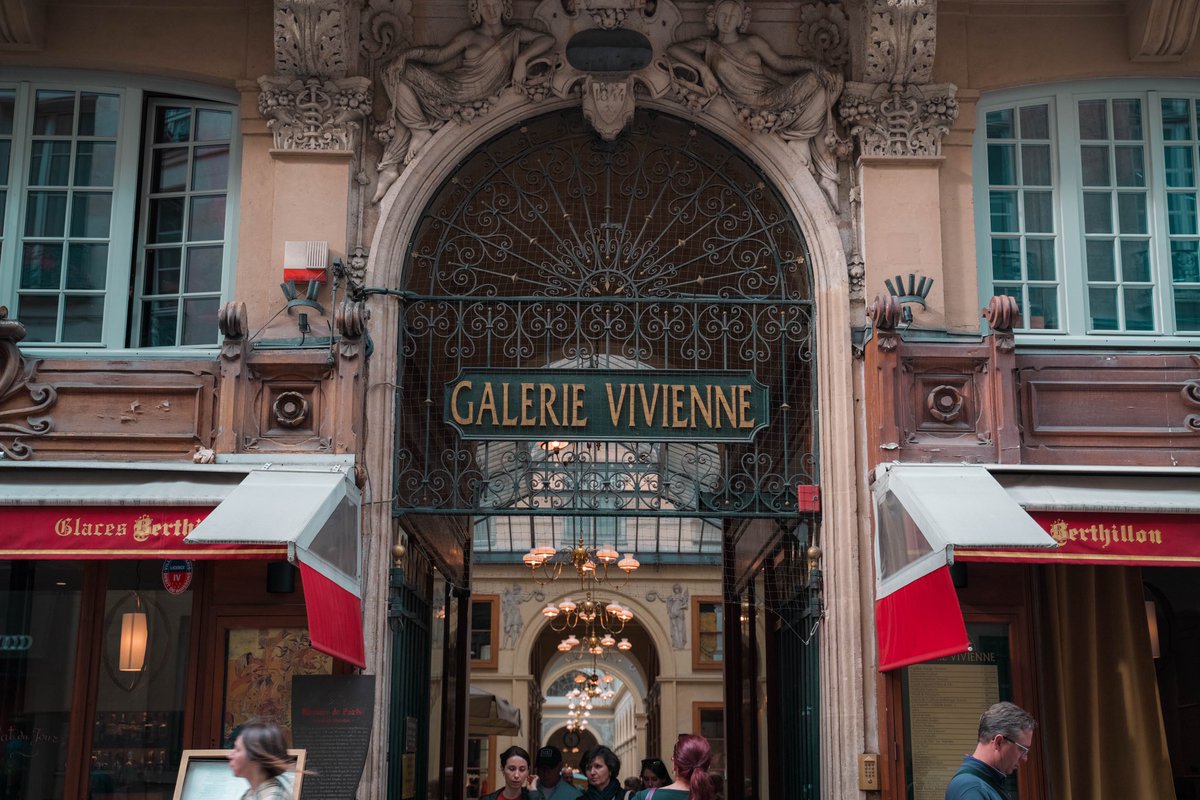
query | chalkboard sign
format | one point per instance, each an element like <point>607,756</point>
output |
<point>331,720</point>
<point>205,775</point>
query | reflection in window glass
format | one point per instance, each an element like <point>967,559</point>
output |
<point>137,733</point>
<point>39,611</point>
<point>187,172</point>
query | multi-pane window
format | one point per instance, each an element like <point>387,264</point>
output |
<point>1087,208</point>
<point>116,215</point>
<point>485,631</point>
<point>184,212</point>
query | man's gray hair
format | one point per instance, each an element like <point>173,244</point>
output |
<point>1005,719</point>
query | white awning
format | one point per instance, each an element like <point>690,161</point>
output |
<point>312,511</point>
<point>1081,491</point>
<point>924,511</point>
<point>490,715</point>
<point>85,483</point>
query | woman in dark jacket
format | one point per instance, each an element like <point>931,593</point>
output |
<point>603,771</point>
<point>514,764</point>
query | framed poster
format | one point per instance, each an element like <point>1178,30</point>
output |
<point>205,775</point>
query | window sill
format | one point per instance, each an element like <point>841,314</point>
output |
<point>1107,341</point>
<point>207,352</point>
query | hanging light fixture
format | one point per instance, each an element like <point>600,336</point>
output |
<point>591,564</point>
<point>134,637</point>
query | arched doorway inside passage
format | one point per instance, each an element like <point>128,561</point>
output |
<point>457,488</point>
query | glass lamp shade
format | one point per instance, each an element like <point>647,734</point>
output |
<point>624,644</point>
<point>628,563</point>
<point>549,612</point>
<point>133,641</point>
<point>607,554</point>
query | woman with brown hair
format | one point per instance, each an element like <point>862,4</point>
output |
<point>260,755</point>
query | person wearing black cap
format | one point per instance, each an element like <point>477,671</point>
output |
<point>548,765</point>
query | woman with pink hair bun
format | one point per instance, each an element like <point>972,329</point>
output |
<point>691,760</point>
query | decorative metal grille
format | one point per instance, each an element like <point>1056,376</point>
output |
<point>665,249</point>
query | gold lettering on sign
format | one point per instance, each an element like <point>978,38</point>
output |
<point>76,526</point>
<point>614,410</point>
<point>1104,535</point>
<point>460,418</point>
<point>577,419</point>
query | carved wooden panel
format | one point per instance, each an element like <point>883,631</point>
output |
<point>942,411</point>
<point>1110,408</point>
<point>289,408</point>
<point>121,409</point>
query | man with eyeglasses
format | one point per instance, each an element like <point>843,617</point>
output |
<point>1005,736</point>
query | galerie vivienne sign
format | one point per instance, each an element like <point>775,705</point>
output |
<point>607,405</point>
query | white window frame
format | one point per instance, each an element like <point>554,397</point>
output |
<point>1066,177</point>
<point>119,310</point>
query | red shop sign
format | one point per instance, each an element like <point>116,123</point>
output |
<point>112,532</point>
<point>1138,539</point>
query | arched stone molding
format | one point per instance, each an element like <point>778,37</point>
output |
<point>642,614</point>
<point>847,693</point>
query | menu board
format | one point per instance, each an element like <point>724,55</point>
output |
<point>205,775</point>
<point>945,699</point>
<point>331,719</point>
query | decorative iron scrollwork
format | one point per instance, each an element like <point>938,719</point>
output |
<point>662,250</point>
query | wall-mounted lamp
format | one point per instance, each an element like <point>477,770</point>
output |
<point>910,291</point>
<point>134,638</point>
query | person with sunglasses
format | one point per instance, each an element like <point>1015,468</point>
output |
<point>1005,736</point>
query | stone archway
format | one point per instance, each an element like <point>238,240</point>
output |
<point>829,294</point>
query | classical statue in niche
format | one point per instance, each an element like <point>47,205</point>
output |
<point>677,606</point>
<point>429,86</point>
<point>769,92</point>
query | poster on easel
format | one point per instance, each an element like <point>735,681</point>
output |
<point>205,775</point>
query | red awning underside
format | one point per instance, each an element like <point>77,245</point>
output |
<point>919,622</point>
<point>334,618</point>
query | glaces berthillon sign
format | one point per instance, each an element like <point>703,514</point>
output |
<point>607,405</point>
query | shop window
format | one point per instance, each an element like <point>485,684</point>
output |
<point>115,214</point>
<point>485,631</point>
<point>708,633</point>
<point>137,729</point>
<point>937,732</point>
<point>708,720</point>
<point>1086,207</point>
<point>39,625</point>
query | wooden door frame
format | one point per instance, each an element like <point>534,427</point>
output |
<point>1031,782</point>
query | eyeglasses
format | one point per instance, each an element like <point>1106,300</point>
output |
<point>1024,750</point>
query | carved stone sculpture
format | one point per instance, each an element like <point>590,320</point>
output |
<point>488,57</point>
<point>789,96</point>
<point>309,102</point>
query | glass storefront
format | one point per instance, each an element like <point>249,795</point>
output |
<point>39,613</point>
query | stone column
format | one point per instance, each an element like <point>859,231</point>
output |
<point>898,118</point>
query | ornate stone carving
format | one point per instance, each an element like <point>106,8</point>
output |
<point>22,24</point>
<point>384,27</point>
<point>856,271</point>
<point>350,323</point>
<point>824,34</point>
<point>895,110</point>
<point>356,263</point>
<point>1162,30</point>
<point>608,106</point>
<point>789,96</point>
<point>309,103</point>
<point>311,38</point>
<point>607,14</point>
<point>899,119</point>
<point>314,113</point>
<point>900,42</point>
<point>426,92</point>
<point>17,375</point>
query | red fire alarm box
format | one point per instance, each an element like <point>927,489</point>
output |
<point>305,261</point>
<point>808,499</point>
